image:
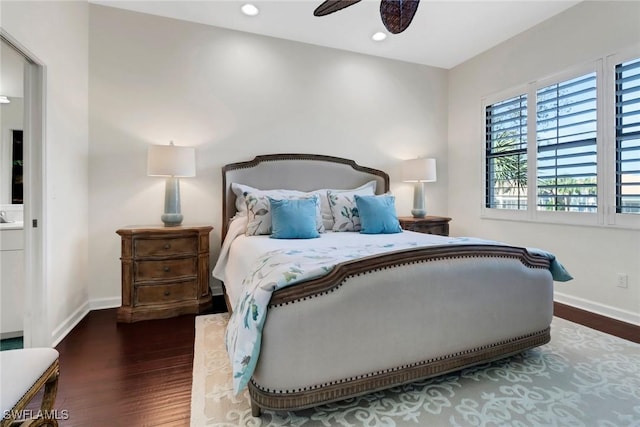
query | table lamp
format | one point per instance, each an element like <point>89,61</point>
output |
<point>173,162</point>
<point>419,171</point>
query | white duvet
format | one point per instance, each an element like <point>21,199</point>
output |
<point>239,252</point>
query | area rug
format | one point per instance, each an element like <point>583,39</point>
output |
<point>581,378</point>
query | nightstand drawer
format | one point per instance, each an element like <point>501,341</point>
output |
<point>441,229</point>
<point>427,225</point>
<point>154,294</point>
<point>166,269</point>
<point>165,247</point>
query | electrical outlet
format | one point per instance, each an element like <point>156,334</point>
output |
<point>622,280</point>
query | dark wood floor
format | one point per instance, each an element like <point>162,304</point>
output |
<point>126,374</point>
<point>140,374</point>
<point>595,321</point>
<point>114,374</point>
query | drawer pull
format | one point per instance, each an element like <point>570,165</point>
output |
<point>167,293</point>
<point>167,246</point>
<point>166,269</point>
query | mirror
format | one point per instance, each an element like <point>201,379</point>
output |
<point>11,124</point>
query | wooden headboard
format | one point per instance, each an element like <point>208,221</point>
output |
<point>304,172</point>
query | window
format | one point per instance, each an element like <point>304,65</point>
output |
<point>506,154</point>
<point>577,161</point>
<point>563,157</point>
<point>627,123</point>
<point>566,131</point>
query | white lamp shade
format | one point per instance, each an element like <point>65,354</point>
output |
<point>419,170</point>
<point>171,160</point>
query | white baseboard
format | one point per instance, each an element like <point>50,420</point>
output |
<point>102,303</point>
<point>594,307</point>
<point>216,287</point>
<point>69,323</point>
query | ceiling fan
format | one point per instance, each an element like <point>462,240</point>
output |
<point>396,14</point>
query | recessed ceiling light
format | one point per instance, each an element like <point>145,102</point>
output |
<point>4,99</point>
<point>379,36</point>
<point>250,10</point>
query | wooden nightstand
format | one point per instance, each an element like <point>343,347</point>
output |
<point>165,272</point>
<point>428,224</point>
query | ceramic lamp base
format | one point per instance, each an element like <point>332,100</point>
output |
<point>171,219</point>
<point>418,213</point>
<point>418,210</point>
<point>172,216</point>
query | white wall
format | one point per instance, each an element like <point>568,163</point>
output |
<point>235,95</point>
<point>56,32</point>
<point>594,255</point>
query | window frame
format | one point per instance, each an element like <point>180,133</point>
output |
<point>495,213</point>
<point>562,217</point>
<point>606,215</point>
<point>615,219</point>
<point>553,161</point>
<point>486,154</point>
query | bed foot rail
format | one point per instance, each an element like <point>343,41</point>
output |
<point>358,386</point>
<point>255,409</point>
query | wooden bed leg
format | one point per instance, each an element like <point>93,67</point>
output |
<point>226,300</point>
<point>255,409</point>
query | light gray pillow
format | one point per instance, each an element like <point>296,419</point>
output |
<point>343,206</point>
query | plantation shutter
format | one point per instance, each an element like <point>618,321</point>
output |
<point>506,154</point>
<point>628,137</point>
<point>566,127</point>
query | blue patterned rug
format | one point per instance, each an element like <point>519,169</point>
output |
<point>581,378</point>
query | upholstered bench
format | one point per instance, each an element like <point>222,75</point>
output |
<point>22,374</point>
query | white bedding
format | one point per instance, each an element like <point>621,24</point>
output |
<point>239,252</point>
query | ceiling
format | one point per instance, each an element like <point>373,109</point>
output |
<point>444,33</point>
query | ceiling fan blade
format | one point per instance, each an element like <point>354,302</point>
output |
<point>331,6</point>
<point>397,14</point>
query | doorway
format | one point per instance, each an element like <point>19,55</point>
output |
<point>36,330</point>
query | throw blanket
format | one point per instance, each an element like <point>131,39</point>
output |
<point>281,268</point>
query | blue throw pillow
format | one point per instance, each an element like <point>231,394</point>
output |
<point>294,218</point>
<point>378,214</point>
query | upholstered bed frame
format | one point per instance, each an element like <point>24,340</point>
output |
<point>388,319</point>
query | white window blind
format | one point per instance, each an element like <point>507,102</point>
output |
<point>566,130</point>
<point>628,137</point>
<point>506,154</point>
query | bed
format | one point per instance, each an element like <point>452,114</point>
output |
<point>415,306</point>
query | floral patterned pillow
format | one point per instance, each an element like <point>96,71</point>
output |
<point>344,209</point>
<point>259,210</point>
<point>240,190</point>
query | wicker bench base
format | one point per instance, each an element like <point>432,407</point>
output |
<point>48,380</point>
